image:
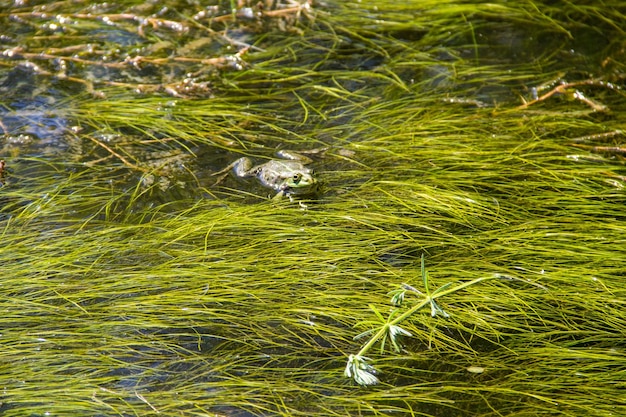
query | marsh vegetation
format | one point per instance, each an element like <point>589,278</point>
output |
<point>470,229</point>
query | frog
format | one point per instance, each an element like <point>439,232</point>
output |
<point>288,176</point>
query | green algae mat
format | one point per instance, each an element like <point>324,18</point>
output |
<point>464,255</point>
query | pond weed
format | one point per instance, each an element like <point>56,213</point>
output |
<point>129,295</point>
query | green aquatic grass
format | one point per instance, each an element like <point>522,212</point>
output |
<point>388,330</point>
<point>122,296</point>
<point>180,294</point>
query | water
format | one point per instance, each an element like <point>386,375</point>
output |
<point>132,283</point>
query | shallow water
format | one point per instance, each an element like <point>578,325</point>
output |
<point>134,285</point>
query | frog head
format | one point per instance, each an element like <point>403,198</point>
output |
<point>300,182</point>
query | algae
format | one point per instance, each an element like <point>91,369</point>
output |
<point>486,137</point>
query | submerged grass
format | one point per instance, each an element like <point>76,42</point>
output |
<point>134,287</point>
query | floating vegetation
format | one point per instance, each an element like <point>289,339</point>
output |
<point>118,44</point>
<point>389,329</point>
<point>484,139</point>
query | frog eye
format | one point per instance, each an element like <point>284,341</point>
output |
<point>296,178</point>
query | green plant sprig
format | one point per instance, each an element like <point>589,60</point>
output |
<point>358,367</point>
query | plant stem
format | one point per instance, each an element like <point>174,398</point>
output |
<point>381,332</point>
